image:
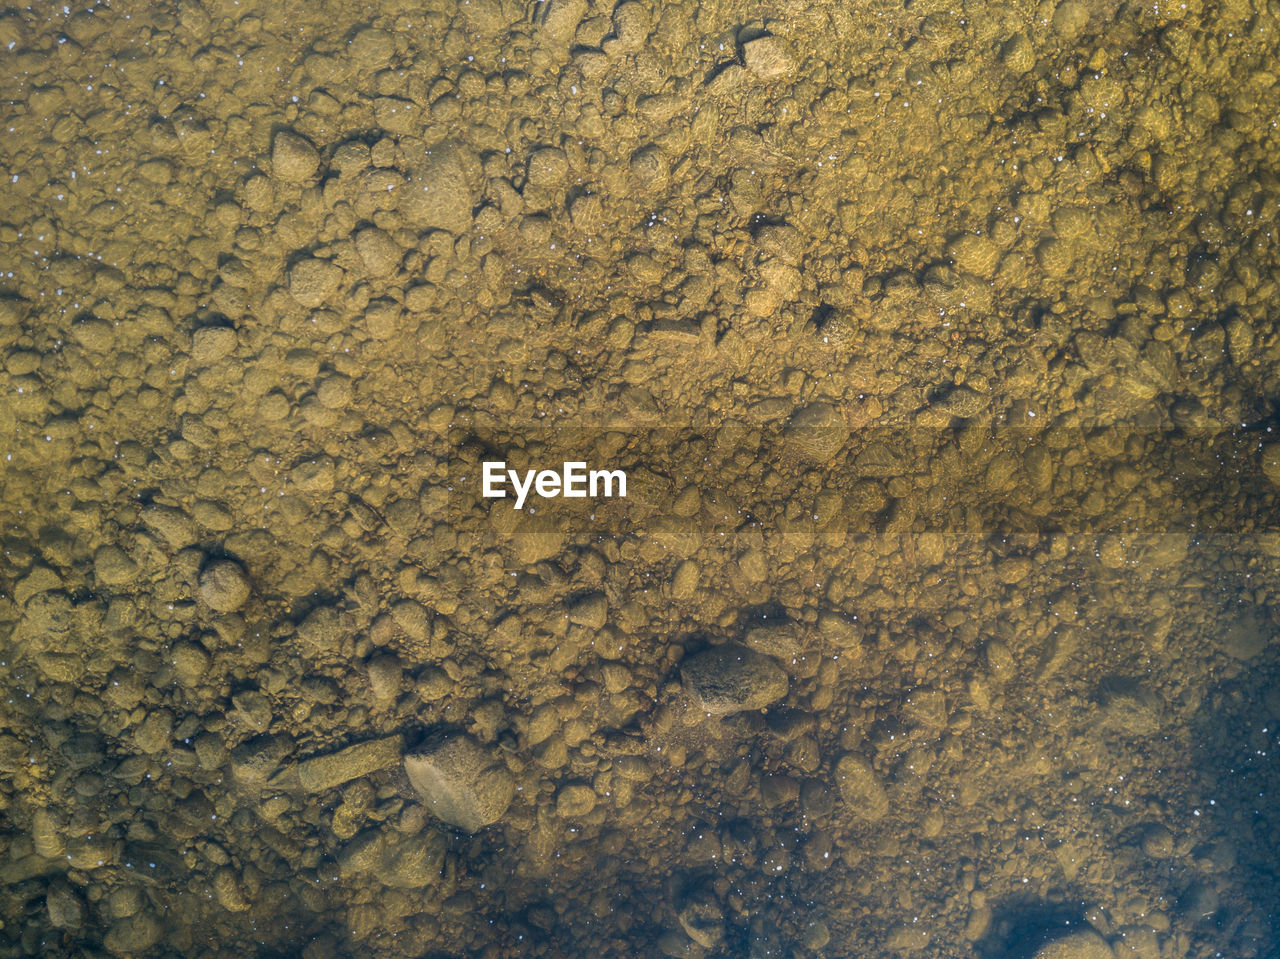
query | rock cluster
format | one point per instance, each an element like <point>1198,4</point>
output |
<point>940,346</point>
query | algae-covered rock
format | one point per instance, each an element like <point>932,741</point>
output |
<point>438,194</point>
<point>224,587</point>
<point>861,788</point>
<point>730,679</point>
<point>395,859</point>
<point>463,783</point>
<point>817,432</point>
<point>321,773</point>
<point>293,158</point>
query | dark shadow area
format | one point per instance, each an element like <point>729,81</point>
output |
<point>1233,892</point>
<point>1021,926</point>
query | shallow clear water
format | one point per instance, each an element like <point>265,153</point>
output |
<point>937,346</point>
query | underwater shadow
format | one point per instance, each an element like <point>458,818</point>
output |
<point>1021,925</point>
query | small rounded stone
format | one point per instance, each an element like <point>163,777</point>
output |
<point>113,566</point>
<point>574,800</point>
<point>1018,54</point>
<point>817,432</point>
<point>293,158</point>
<point>1070,19</point>
<point>223,586</point>
<point>212,343</point>
<point>974,254</point>
<point>548,167</point>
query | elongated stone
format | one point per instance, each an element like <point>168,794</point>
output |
<point>321,773</point>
